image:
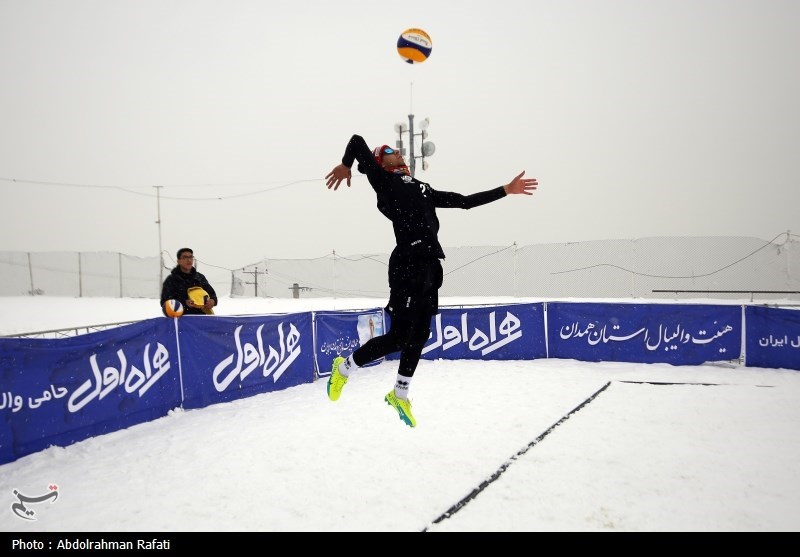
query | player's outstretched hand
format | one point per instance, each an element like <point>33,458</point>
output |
<point>336,176</point>
<point>521,185</point>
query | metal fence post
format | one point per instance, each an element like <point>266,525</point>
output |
<point>30,273</point>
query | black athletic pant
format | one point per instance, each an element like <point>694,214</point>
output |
<point>413,300</point>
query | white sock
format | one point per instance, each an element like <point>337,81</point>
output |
<point>401,386</point>
<point>347,366</point>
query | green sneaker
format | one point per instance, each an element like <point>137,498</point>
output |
<point>336,380</point>
<point>403,408</point>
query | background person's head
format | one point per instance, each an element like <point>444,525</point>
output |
<point>185,259</point>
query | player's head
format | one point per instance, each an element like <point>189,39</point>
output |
<point>390,159</point>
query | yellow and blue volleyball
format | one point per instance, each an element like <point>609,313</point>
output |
<point>414,46</point>
<point>173,308</point>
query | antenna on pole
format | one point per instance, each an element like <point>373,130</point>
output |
<point>427,147</point>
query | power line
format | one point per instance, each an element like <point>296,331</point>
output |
<point>280,185</point>
<point>675,277</point>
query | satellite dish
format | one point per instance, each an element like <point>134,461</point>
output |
<point>428,148</point>
<point>424,165</point>
<point>423,125</point>
<point>399,127</point>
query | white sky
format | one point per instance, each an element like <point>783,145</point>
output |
<point>637,457</point>
<point>667,117</point>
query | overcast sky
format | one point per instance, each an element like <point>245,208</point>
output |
<point>666,117</point>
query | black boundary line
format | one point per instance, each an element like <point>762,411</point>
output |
<point>659,383</point>
<point>474,493</point>
<point>667,383</point>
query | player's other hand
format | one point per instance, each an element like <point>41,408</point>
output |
<point>336,176</point>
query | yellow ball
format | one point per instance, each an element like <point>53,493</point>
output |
<point>173,308</point>
<point>414,46</point>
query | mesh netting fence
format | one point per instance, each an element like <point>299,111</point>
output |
<point>662,267</point>
<point>659,267</point>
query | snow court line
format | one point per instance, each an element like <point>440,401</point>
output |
<point>660,383</point>
<point>483,485</point>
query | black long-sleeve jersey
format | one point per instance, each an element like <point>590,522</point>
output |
<point>411,204</point>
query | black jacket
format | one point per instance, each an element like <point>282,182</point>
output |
<point>176,285</point>
<point>411,204</point>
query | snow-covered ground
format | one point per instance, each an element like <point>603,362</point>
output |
<point>545,445</point>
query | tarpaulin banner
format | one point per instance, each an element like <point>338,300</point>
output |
<point>225,358</point>
<point>772,337</point>
<point>341,333</point>
<point>679,334</point>
<point>61,391</point>
<point>508,332</point>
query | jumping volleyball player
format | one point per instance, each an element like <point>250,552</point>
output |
<point>415,269</point>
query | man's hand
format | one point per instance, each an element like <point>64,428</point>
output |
<point>337,175</point>
<point>521,185</point>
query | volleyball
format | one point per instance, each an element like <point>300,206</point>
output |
<point>173,308</point>
<point>414,46</point>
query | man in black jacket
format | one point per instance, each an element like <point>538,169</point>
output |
<point>184,277</point>
<point>415,270</point>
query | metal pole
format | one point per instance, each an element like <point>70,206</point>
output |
<point>788,260</point>
<point>30,273</point>
<point>516,293</point>
<point>411,144</point>
<point>160,250</point>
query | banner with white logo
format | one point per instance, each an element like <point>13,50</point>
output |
<point>61,391</point>
<point>773,337</point>
<point>341,333</point>
<point>509,332</point>
<point>680,334</point>
<point>225,358</point>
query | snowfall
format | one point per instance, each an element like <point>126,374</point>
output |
<point>542,445</point>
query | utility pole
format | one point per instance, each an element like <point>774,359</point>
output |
<point>254,272</point>
<point>158,222</point>
<point>296,289</point>
<point>411,143</point>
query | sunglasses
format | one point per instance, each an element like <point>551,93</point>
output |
<point>388,151</point>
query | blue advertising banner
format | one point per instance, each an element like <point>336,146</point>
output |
<point>341,333</point>
<point>510,332</point>
<point>772,337</point>
<point>678,334</point>
<point>61,391</point>
<point>225,358</point>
